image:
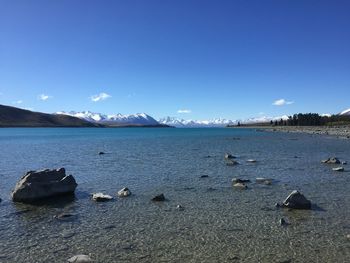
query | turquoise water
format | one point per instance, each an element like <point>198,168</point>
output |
<point>218,223</point>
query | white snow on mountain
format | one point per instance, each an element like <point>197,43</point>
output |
<point>219,122</point>
<point>132,119</point>
<point>345,112</point>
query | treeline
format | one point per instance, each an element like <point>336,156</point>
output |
<point>313,119</point>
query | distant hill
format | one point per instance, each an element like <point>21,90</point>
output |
<point>15,117</point>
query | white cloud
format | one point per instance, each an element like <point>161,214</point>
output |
<point>18,102</point>
<point>99,97</point>
<point>184,111</point>
<point>282,102</point>
<point>44,97</point>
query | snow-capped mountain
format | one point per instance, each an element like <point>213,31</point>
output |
<point>117,119</point>
<point>172,121</point>
<point>345,112</point>
<point>181,123</point>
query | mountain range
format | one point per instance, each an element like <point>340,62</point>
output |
<point>139,119</point>
<point>16,117</point>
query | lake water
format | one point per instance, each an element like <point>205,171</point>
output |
<point>218,223</point>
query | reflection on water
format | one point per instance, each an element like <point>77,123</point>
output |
<point>218,223</point>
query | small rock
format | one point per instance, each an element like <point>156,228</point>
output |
<point>159,198</point>
<point>0,199</point>
<point>277,205</point>
<point>100,153</point>
<point>230,162</point>
<point>332,160</point>
<point>344,163</point>
<point>63,216</point>
<point>240,186</point>
<point>338,169</point>
<point>204,176</point>
<point>283,222</point>
<point>296,200</point>
<point>238,180</point>
<point>229,156</point>
<point>348,236</point>
<point>261,180</point>
<point>251,161</point>
<point>80,259</point>
<point>100,197</point>
<point>179,207</point>
<point>124,192</point>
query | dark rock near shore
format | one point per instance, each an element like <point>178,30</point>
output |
<point>159,198</point>
<point>283,222</point>
<point>35,185</point>
<point>101,153</point>
<point>204,176</point>
<point>332,160</point>
<point>296,200</point>
<point>241,186</point>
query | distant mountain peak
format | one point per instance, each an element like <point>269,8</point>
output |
<point>345,112</point>
<point>117,119</point>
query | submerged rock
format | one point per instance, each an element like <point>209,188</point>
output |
<point>240,186</point>
<point>124,192</point>
<point>338,169</point>
<point>261,180</point>
<point>80,259</point>
<point>230,162</point>
<point>238,180</point>
<point>159,198</point>
<point>100,197</point>
<point>36,185</point>
<point>332,160</point>
<point>204,176</point>
<point>100,153</point>
<point>283,222</point>
<point>296,200</point>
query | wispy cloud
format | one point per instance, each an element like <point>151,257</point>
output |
<point>282,102</point>
<point>100,97</point>
<point>18,102</point>
<point>184,111</point>
<point>44,97</point>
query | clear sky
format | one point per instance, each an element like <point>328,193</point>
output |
<point>193,59</point>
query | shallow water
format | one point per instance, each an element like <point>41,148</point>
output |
<point>218,223</point>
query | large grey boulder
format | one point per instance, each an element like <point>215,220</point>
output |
<point>296,200</point>
<point>36,185</point>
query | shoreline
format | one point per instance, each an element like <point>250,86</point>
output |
<point>337,131</point>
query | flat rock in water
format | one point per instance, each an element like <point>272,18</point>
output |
<point>100,153</point>
<point>124,192</point>
<point>338,169</point>
<point>100,197</point>
<point>332,160</point>
<point>296,200</point>
<point>35,185</point>
<point>240,186</point>
<point>80,259</point>
<point>159,198</point>
<point>261,180</point>
<point>251,161</point>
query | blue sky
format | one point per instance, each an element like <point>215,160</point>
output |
<point>230,59</point>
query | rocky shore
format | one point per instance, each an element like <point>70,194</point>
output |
<point>337,131</point>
